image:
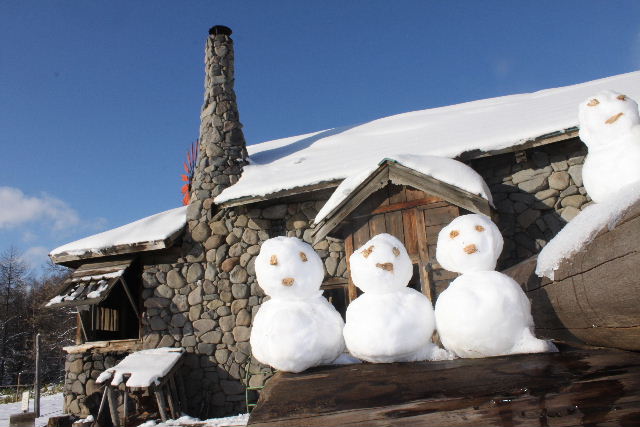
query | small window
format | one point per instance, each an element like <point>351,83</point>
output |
<point>278,228</point>
<point>336,293</point>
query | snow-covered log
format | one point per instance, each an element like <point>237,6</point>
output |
<point>594,296</point>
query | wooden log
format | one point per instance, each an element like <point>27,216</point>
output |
<point>577,386</point>
<point>594,297</point>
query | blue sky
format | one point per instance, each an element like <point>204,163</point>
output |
<point>99,101</point>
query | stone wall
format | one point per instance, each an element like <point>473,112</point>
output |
<point>206,300</point>
<point>536,197</point>
<point>81,394</point>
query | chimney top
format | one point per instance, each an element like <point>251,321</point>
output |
<point>220,29</point>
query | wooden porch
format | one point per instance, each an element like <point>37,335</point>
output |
<point>578,386</point>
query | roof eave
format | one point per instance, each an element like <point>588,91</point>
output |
<point>65,258</point>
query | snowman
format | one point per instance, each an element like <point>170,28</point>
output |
<point>483,312</point>
<point>297,328</point>
<point>389,322</point>
<point>610,127</point>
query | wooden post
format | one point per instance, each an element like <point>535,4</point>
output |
<point>173,392</point>
<point>124,409</point>
<point>161,403</point>
<point>36,385</point>
<point>18,386</point>
<point>182,393</point>
<point>113,407</point>
<point>102,402</point>
<point>172,404</point>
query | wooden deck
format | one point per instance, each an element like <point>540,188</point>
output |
<point>576,387</point>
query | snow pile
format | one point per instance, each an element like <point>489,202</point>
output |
<point>145,367</point>
<point>584,227</point>
<point>488,124</point>
<point>443,169</point>
<point>236,420</point>
<point>50,406</point>
<point>483,312</point>
<point>152,229</point>
<point>297,328</point>
<point>389,322</point>
<point>610,127</point>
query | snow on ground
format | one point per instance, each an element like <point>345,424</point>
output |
<point>584,227</point>
<point>50,406</point>
<point>441,168</point>
<point>236,420</point>
<point>154,228</point>
<point>487,124</point>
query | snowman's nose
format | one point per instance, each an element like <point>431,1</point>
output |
<point>470,249</point>
<point>386,266</point>
<point>288,281</point>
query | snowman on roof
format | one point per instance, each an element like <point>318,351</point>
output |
<point>389,322</point>
<point>483,312</point>
<point>610,127</point>
<point>297,328</point>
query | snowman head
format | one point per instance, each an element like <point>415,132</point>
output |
<point>381,265</point>
<point>289,268</point>
<point>606,116</point>
<point>469,243</point>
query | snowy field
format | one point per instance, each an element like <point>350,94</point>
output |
<point>50,406</point>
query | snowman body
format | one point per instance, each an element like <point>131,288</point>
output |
<point>483,312</point>
<point>388,322</point>
<point>610,127</point>
<point>297,328</point>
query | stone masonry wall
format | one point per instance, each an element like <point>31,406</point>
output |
<point>81,394</point>
<point>536,197</point>
<point>206,300</point>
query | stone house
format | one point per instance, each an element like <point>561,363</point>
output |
<point>186,277</point>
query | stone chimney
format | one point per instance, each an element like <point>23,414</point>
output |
<point>223,151</point>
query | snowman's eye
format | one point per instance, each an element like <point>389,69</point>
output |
<point>593,102</point>
<point>303,257</point>
<point>622,97</point>
<point>367,252</point>
<point>396,251</point>
<point>479,228</point>
<point>273,260</point>
<point>454,234</point>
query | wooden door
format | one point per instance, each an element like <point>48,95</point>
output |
<point>415,218</point>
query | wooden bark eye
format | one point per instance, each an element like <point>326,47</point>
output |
<point>303,257</point>
<point>454,234</point>
<point>622,97</point>
<point>273,260</point>
<point>479,228</point>
<point>593,102</point>
<point>396,251</point>
<point>367,252</point>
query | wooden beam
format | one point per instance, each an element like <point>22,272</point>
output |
<point>348,250</point>
<point>130,297</point>
<point>403,175</point>
<point>377,180</point>
<point>280,194</point>
<point>539,141</point>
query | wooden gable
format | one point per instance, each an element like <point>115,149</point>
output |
<point>408,205</point>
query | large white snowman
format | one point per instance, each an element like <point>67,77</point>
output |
<point>389,322</point>
<point>610,127</point>
<point>483,312</point>
<point>297,328</point>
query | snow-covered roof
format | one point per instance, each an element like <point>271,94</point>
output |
<point>153,232</point>
<point>485,125</point>
<point>90,284</point>
<point>443,169</point>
